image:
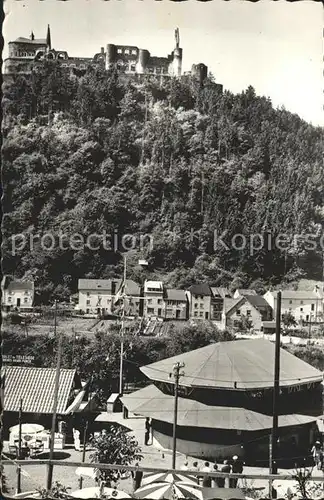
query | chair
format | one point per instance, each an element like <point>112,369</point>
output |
<point>13,449</point>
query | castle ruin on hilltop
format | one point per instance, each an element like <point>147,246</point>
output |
<point>26,53</point>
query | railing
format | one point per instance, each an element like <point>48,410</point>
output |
<point>266,477</point>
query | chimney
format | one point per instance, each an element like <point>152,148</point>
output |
<point>32,36</point>
<point>102,50</point>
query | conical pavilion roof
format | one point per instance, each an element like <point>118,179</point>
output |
<point>239,365</point>
<point>153,403</point>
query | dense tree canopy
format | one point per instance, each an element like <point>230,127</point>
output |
<point>189,166</point>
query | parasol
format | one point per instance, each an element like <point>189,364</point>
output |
<point>169,491</point>
<point>95,493</point>
<point>169,477</point>
<point>86,472</point>
<point>27,428</point>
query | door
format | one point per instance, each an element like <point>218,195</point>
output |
<point>18,302</point>
<point>206,315</point>
<point>159,312</point>
<point>177,314</point>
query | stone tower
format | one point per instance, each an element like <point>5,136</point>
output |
<point>177,55</point>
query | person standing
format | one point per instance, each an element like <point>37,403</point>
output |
<point>184,466</point>
<point>206,480</point>
<point>225,468</point>
<point>317,453</point>
<point>147,431</point>
<point>195,469</point>
<point>215,479</point>
<point>237,468</point>
<point>137,478</point>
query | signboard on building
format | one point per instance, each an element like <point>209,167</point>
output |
<point>17,359</point>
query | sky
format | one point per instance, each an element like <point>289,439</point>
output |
<point>277,47</point>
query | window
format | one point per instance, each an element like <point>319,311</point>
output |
<point>87,311</point>
<point>26,293</point>
<point>159,301</point>
<point>301,309</point>
<point>126,51</point>
<point>236,324</point>
<point>150,310</point>
<point>149,301</point>
<point>201,306</point>
<point>196,305</point>
<point>119,51</point>
<point>201,314</point>
<point>134,52</point>
<point>238,312</point>
<point>196,297</point>
<point>88,302</point>
<point>26,300</point>
<point>202,297</point>
<point>196,313</point>
<point>133,67</point>
<point>290,302</point>
<point>248,312</point>
<point>88,294</point>
<point>301,301</point>
<point>9,299</point>
<point>313,307</point>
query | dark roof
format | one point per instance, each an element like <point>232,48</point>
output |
<point>246,291</point>
<point>12,284</point>
<point>200,289</point>
<point>36,388</point>
<point>172,294</point>
<point>221,292</point>
<point>151,402</point>
<point>131,288</point>
<point>257,301</point>
<point>230,303</point>
<point>240,364</point>
<point>93,284</point>
<point>36,41</point>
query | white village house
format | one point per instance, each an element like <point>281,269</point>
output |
<point>304,305</point>
<point>16,293</point>
<point>97,296</point>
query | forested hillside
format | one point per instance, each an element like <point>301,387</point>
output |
<point>93,154</point>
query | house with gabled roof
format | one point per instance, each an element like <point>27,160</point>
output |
<point>303,305</point>
<point>253,308</point>
<point>96,296</point>
<point>154,305</point>
<point>16,294</point>
<point>176,304</point>
<point>200,301</point>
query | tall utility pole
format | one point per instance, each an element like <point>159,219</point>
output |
<point>176,374</point>
<point>122,331</point>
<point>273,466</point>
<point>55,403</point>
<point>19,447</point>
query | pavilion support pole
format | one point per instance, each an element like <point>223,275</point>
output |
<point>176,373</point>
<point>55,403</point>
<point>19,447</point>
<point>84,449</point>
<point>276,391</point>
